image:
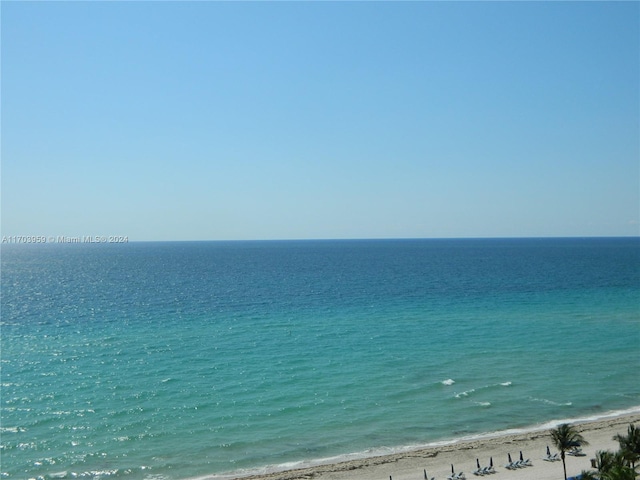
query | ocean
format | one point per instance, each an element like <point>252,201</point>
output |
<point>184,360</point>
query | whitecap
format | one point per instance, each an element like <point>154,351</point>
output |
<point>551,402</point>
<point>465,393</point>
<point>58,474</point>
<point>448,382</point>
<point>506,384</point>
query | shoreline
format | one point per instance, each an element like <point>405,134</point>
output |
<point>409,463</point>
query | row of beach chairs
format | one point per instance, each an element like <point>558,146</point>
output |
<point>521,463</point>
<point>481,471</point>
<point>484,471</point>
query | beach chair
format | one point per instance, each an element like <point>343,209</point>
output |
<point>456,476</point>
<point>524,463</point>
<point>488,470</point>
<point>551,458</point>
<point>576,452</point>
<point>479,470</point>
<point>511,465</point>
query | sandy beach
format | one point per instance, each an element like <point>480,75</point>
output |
<point>463,454</point>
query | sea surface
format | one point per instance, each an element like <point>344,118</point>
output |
<point>189,359</point>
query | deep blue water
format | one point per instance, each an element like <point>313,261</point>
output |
<point>178,360</point>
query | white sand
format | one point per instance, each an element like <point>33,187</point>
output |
<point>437,460</point>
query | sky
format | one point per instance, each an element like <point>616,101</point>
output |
<point>320,120</point>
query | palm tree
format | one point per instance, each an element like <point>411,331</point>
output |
<point>616,472</point>
<point>565,437</point>
<point>620,472</point>
<point>613,466</point>
<point>588,475</point>
<point>605,460</point>
<point>630,445</point>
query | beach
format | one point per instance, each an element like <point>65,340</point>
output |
<point>437,460</point>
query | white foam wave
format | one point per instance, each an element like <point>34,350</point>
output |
<point>88,474</point>
<point>465,393</point>
<point>551,402</point>
<point>11,430</point>
<point>448,381</point>
<point>62,474</point>
<point>593,418</point>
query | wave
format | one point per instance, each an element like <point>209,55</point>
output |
<point>12,429</point>
<point>66,474</point>
<point>466,393</point>
<point>551,402</point>
<point>593,418</point>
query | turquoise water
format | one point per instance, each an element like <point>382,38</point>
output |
<point>182,360</point>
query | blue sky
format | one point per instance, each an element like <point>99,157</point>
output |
<point>286,120</point>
